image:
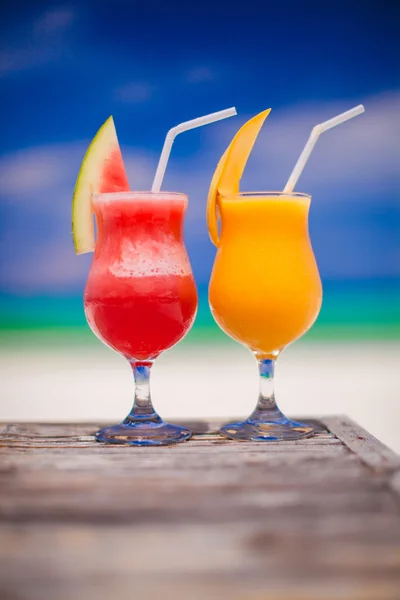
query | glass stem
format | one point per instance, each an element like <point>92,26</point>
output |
<point>142,409</point>
<point>266,409</point>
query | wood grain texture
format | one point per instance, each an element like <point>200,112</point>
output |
<point>370,450</point>
<point>317,519</point>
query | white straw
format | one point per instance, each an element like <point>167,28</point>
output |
<point>315,133</point>
<point>172,133</point>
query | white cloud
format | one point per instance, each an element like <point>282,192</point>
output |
<point>43,44</point>
<point>35,171</point>
<point>199,75</point>
<point>50,266</point>
<point>140,167</point>
<point>54,21</point>
<point>18,59</point>
<point>134,93</point>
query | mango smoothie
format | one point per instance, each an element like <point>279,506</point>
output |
<point>265,290</point>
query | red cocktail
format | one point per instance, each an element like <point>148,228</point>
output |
<point>140,296</point>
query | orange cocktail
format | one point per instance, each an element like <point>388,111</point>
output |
<point>265,289</point>
<point>265,292</point>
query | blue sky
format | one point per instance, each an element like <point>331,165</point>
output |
<point>64,67</point>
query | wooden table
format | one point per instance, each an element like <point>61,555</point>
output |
<point>211,518</point>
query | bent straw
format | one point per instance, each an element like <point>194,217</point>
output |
<point>172,133</point>
<point>312,140</point>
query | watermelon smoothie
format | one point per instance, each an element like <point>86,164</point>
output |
<point>140,297</point>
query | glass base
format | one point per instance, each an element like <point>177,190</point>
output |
<point>144,433</point>
<point>267,431</point>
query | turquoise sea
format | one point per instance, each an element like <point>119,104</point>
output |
<point>350,311</point>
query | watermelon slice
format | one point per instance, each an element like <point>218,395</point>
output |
<point>102,171</point>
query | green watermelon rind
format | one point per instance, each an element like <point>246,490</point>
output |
<point>88,183</point>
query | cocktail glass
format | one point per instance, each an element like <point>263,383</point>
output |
<point>265,292</point>
<point>140,297</point>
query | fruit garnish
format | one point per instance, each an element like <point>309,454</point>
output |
<point>230,169</point>
<point>102,171</point>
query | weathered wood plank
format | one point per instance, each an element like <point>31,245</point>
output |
<point>370,450</point>
<point>229,560</point>
<point>394,483</point>
<point>88,501</point>
<point>316,519</point>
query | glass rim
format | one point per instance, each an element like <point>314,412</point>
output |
<point>267,194</point>
<point>137,193</point>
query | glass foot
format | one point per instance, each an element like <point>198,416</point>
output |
<point>148,433</point>
<point>267,431</point>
